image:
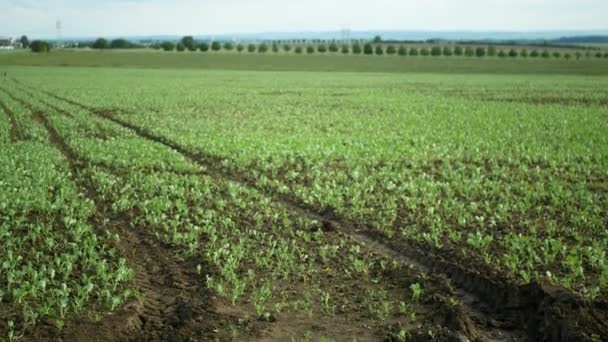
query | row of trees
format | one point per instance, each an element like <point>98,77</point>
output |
<point>188,43</point>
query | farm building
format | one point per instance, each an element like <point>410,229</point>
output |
<point>9,43</point>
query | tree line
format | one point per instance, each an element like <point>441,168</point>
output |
<point>373,47</point>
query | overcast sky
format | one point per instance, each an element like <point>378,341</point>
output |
<point>93,18</point>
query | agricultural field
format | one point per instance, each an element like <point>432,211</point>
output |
<point>198,204</point>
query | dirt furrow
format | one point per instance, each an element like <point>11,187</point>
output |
<point>499,309</point>
<point>174,304</point>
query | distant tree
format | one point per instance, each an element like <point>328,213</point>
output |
<point>120,44</point>
<point>216,46</point>
<point>379,50</point>
<point>310,49</point>
<point>155,46</point>
<point>606,55</point>
<point>377,39</point>
<point>513,53</point>
<point>100,43</point>
<point>368,49</point>
<point>534,54</point>
<point>345,49</point>
<point>436,51</point>
<point>545,54</point>
<point>275,47</point>
<point>240,47</point>
<point>524,53</point>
<point>391,50</point>
<point>189,43</point>
<point>357,49</point>
<point>402,51</point>
<point>168,46</point>
<point>40,46</point>
<point>263,48</point>
<point>425,51</point>
<point>321,48</point>
<point>447,51</point>
<point>578,55</point>
<point>567,56</point>
<point>588,54</point>
<point>251,48</point>
<point>204,47</point>
<point>413,51</point>
<point>502,54</point>
<point>458,51</point>
<point>298,49</point>
<point>480,51</point>
<point>286,47</point>
<point>228,46</point>
<point>180,47</point>
<point>598,55</point>
<point>333,47</point>
<point>557,54</point>
<point>25,42</point>
<point>491,50</point>
<point>469,51</point>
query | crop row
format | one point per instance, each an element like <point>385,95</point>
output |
<point>54,263</point>
<point>263,259</point>
<point>517,188</point>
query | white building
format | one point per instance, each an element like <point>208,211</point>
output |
<point>8,43</point>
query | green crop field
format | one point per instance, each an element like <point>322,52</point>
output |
<point>228,197</point>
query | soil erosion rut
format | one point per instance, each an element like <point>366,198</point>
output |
<point>173,299</point>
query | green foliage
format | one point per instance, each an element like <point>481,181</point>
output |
<point>436,51</point>
<point>345,49</point>
<point>180,47</point>
<point>458,51</point>
<point>368,49</point>
<point>189,43</point>
<point>379,50</point>
<point>513,53</point>
<point>228,46</point>
<point>100,44</point>
<point>251,48</point>
<point>321,48</point>
<point>216,46</point>
<point>480,51</point>
<point>447,51</point>
<point>333,47</point>
<point>40,46</point>
<point>263,48</point>
<point>413,51</point>
<point>402,50</point>
<point>357,50</point>
<point>168,46</point>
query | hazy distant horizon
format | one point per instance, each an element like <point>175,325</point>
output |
<point>113,18</point>
<point>337,34</point>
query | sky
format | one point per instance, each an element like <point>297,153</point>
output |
<point>93,18</point>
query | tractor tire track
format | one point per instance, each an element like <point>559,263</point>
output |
<point>501,311</point>
<point>174,299</point>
